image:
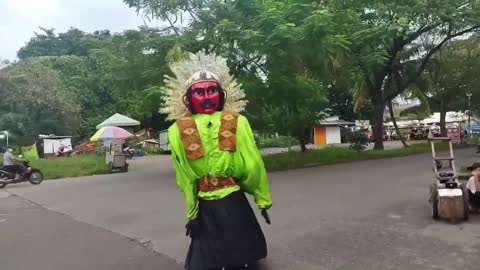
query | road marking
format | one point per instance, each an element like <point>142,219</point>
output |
<point>2,220</point>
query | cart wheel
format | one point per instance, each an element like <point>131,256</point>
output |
<point>2,185</point>
<point>110,166</point>
<point>434,200</point>
<point>466,202</point>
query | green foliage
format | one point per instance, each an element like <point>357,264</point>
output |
<point>281,141</point>
<point>358,140</point>
<point>47,43</point>
<point>390,35</point>
<point>153,150</point>
<point>333,155</point>
<point>448,77</point>
<point>299,60</point>
<point>34,102</point>
<point>107,73</point>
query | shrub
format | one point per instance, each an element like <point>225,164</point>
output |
<point>358,141</point>
<point>153,150</point>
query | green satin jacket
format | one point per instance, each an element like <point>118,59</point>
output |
<point>245,164</point>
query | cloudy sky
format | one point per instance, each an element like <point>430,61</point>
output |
<point>19,19</point>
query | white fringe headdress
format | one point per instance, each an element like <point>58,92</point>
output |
<point>196,68</point>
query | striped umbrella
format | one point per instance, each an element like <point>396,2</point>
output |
<point>109,133</point>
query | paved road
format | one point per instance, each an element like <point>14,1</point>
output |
<point>32,237</point>
<point>364,215</point>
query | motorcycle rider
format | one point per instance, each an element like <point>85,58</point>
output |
<point>9,164</point>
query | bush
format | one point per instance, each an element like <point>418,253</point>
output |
<point>358,141</point>
<point>153,150</point>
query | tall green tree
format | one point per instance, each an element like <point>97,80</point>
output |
<point>450,75</point>
<point>48,43</point>
<point>111,74</point>
<point>388,29</point>
<point>33,102</point>
<point>283,51</point>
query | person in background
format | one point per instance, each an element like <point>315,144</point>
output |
<point>473,186</point>
<point>10,164</point>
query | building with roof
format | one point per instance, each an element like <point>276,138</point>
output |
<point>329,130</point>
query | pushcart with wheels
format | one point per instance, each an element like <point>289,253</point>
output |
<point>117,162</point>
<point>448,197</point>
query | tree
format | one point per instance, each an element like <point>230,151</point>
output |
<point>452,73</point>
<point>33,102</point>
<point>47,43</point>
<point>287,49</point>
<point>388,29</point>
<point>113,74</point>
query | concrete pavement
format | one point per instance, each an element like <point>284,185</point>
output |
<point>32,237</point>
<point>363,215</point>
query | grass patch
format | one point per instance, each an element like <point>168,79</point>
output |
<point>281,141</point>
<point>75,166</point>
<point>331,155</point>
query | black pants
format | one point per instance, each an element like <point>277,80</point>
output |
<point>14,169</point>
<point>229,235</point>
<point>474,199</point>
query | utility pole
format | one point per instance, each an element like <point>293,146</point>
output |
<point>469,96</point>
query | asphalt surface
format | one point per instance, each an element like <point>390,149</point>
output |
<point>363,215</point>
<point>32,237</point>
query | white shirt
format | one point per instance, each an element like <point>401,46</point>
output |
<point>473,185</point>
<point>8,159</point>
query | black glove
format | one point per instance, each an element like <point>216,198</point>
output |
<point>266,216</point>
<point>192,228</point>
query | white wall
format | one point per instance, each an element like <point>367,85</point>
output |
<point>163,140</point>
<point>50,146</point>
<point>333,135</point>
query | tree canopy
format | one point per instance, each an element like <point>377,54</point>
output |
<point>298,60</point>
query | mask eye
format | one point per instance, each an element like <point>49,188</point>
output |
<point>213,90</point>
<point>197,91</point>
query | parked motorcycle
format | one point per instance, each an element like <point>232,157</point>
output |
<point>129,152</point>
<point>32,175</point>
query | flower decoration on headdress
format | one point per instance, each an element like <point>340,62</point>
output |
<point>196,68</point>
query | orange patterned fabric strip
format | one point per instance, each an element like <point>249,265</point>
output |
<point>210,183</point>
<point>190,138</point>
<point>227,137</point>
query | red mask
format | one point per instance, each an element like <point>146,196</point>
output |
<point>205,97</point>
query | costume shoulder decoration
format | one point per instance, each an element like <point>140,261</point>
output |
<point>176,87</point>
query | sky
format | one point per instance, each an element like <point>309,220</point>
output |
<point>19,19</point>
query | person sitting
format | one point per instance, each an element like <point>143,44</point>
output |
<point>10,164</point>
<point>473,186</point>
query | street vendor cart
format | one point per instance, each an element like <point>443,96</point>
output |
<point>117,161</point>
<point>448,197</point>
<point>112,139</point>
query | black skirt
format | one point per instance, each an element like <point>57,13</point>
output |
<point>229,235</point>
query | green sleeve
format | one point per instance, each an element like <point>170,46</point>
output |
<point>254,177</point>
<point>185,176</point>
